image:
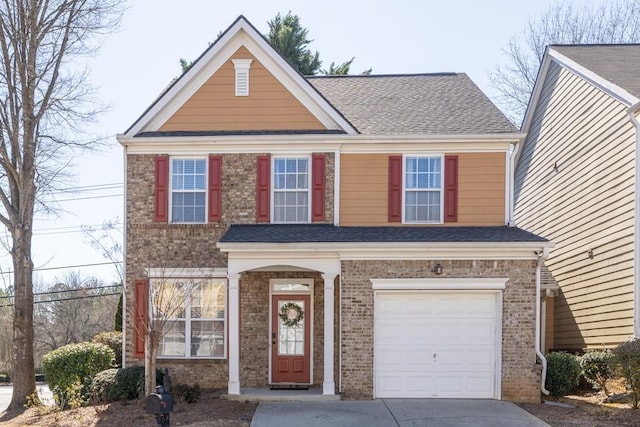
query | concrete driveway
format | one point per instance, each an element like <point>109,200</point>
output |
<point>6,391</point>
<point>394,412</point>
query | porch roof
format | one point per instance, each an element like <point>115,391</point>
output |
<point>328,233</point>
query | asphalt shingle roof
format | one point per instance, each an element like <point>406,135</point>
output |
<point>431,104</point>
<point>327,233</point>
<point>619,64</point>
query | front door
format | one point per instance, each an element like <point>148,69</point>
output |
<point>290,347</point>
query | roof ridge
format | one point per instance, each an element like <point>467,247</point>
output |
<point>594,45</point>
<point>342,76</point>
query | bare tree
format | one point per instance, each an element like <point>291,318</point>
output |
<point>73,310</point>
<point>168,300</point>
<point>108,240</point>
<point>614,21</point>
<point>44,99</point>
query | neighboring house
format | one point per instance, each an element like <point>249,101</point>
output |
<point>374,206</point>
<point>576,184</point>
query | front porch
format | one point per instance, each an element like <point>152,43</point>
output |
<point>259,353</point>
<point>269,395</point>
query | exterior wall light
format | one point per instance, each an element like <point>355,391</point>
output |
<point>437,269</point>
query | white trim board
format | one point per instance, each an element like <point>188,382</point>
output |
<point>445,284</point>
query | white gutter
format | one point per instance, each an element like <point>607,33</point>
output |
<point>124,267</point>
<point>336,187</point>
<point>542,256</point>
<point>636,222</point>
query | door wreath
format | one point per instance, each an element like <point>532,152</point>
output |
<point>291,314</point>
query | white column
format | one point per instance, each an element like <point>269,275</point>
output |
<point>233,314</point>
<point>329,385</point>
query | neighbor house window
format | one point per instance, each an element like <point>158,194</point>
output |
<point>188,190</point>
<point>291,189</point>
<point>422,189</point>
<point>191,315</point>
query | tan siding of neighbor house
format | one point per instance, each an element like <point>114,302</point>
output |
<point>574,186</point>
<point>364,187</point>
<point>269,106</point>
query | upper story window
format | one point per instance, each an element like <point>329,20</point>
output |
<point>423,189</point>
<point>291,190</point>
<point>188,190</point>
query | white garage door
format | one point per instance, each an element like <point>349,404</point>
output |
<point>431,344</point>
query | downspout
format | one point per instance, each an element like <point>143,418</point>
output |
<point>542,256</point>
<point>124,266</point>
<point>636,221</point>
<point>512,178</point>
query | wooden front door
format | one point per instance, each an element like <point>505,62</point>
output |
<point>290,346</point>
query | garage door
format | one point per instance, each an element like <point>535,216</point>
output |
<point>431,344</point>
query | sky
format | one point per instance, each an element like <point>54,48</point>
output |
<point>138,61</point>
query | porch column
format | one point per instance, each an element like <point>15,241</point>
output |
<point>329,385</point>
<point>234,333</point>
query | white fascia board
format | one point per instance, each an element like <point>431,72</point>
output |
<point>471,284</point>
<point>389,251</point>
<point>240,34</point>
<point>345,143</point>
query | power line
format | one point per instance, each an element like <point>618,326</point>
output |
<point>88,198</point>
<point>72,229</point>
<point>67,299</point>
<point>67,266</point>
<point>67,290</point>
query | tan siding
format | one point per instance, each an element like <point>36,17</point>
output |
<point>364,186</point>
<point>574,186</point>
<point>269,106</point>
<point>548,332</point>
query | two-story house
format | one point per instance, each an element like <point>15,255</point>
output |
<point>577,184</point>
<point>351,232</point>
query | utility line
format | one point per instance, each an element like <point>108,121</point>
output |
<point>67,290</point>
<point>86,198</point>
<point>67,266</point>
<point>67,299</point>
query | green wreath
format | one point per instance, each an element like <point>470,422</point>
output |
<point>291,314</point>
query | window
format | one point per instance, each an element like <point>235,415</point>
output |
<point>423,189</point>
<point>188,190</point>
<point>291,189</point>
<point>191,313</point>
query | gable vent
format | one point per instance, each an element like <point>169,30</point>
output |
<point>242,76</point>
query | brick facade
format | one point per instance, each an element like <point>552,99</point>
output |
<point>161,245</point>
<point>520,374</point>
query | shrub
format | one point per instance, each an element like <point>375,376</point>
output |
<point>627,360</point>
<point>102,386</point>
<point>114,340</point>
<point>563,373</point>
<point>68,366</point>
<point>130,382</point>
<point>190,394</point>
<point>597,368</point>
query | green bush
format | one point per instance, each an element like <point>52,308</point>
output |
<point>67,367</point>
<point>563,373</point>
<point>190,394</point>
<point>102,386</point>
<point>118,384</point>
<point>130,382</point>
<point>627,360</point>
<point>114,340</point>
<point>597,368</point>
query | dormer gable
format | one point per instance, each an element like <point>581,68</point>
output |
<point>240,83</point>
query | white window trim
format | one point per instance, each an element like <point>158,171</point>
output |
<point>273,189</point>
<point>404,186</point>
<point>193,273</point>
<point>206,187</point>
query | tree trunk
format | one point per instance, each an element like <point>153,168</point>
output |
<point>151,350</point>
<point>24,383</point>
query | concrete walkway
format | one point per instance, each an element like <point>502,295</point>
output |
<point>395,412</point>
